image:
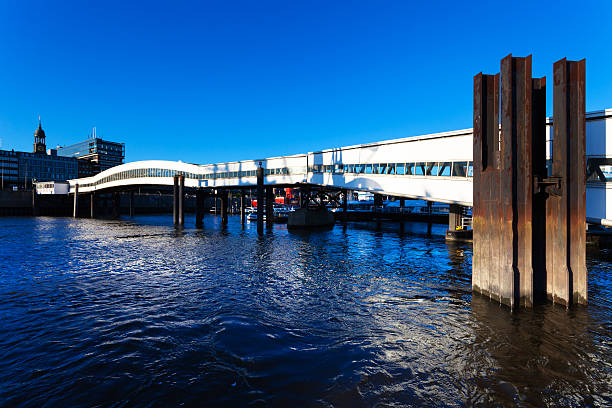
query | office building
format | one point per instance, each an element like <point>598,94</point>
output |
<point>19,170</point>
<point>94,154</point>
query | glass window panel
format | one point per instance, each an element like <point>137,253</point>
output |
<point>391,168</point>
<point>431,169</point>
<point>400,168</point>
<point>469,169</point>
<point>445,169</point>
<point>460,169</point>
<point>419,169</point>
<point>368,169</point>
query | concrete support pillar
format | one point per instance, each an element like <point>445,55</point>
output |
<point>175,205</point>
<point>132,204</point>
<point>92,201</point>
<point>224,206</point>
<point>243,206</point>
<point>75,208</point>
<point>455,212</point>
<point>200,197</point>
<point>181,199</point>
<point>429,207</point>
<point>269,206</point>
<point>345,201</point>
<point>402,204</point>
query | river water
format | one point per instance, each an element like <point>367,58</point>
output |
<point>139,313</point>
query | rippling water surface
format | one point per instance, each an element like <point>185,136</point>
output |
<point>136,312</point>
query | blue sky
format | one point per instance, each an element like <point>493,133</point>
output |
<point>222,80</point>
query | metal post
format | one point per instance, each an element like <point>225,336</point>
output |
<point>242,206</point>
<point>75,208</point>
<point>199,208</point>
<point>175,202</point>
<point>181,198</point>
<point>260,198</point>
<point>269,206</point>
<point>34,209</point>
<point>132,204</point>
<point>116,205</point>
<point>92,196</point>
<point>224,206</point>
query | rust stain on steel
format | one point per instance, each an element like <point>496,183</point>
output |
<point>566,211</point>
<point>486,182</point>
<point>529,228</point>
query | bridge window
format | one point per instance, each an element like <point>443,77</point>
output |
<point>419,169</point>
<point>400,168</point>
<point>432,169</point>
<point>470,169</point>
<point>445,169</point>
<point>460,169</point>
<point>409,169</point>
<point>391,168</point>
<point>338,169</point>
<point>368,169</point>
<point>380,168</point>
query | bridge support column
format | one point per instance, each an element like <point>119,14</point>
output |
<point>116,205</point>
<point>455,232</point>
<point>181,200</point>
<point>224,206</point>
<point>513,194</point>
<point>269,206</point>
<point>132,204</point>
<point>345,201</point>
<point>175,205</point>
<point>243,206</point>
<point>34,208</point>
<point>200,197</point>
<point>92,202</point>
<point>260,199</point>
<point>402,204</point>
<point>378,202</point>
<point>75,207</point>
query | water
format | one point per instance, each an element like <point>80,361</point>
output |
<point>138,313</point>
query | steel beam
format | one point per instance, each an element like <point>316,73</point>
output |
<point>566,206</point>
<point>519,212</point>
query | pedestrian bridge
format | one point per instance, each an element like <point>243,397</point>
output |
<point>436,167</point>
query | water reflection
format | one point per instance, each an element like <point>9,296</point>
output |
<point>129,312</point>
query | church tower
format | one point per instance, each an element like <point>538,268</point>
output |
<point>39,139</point>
